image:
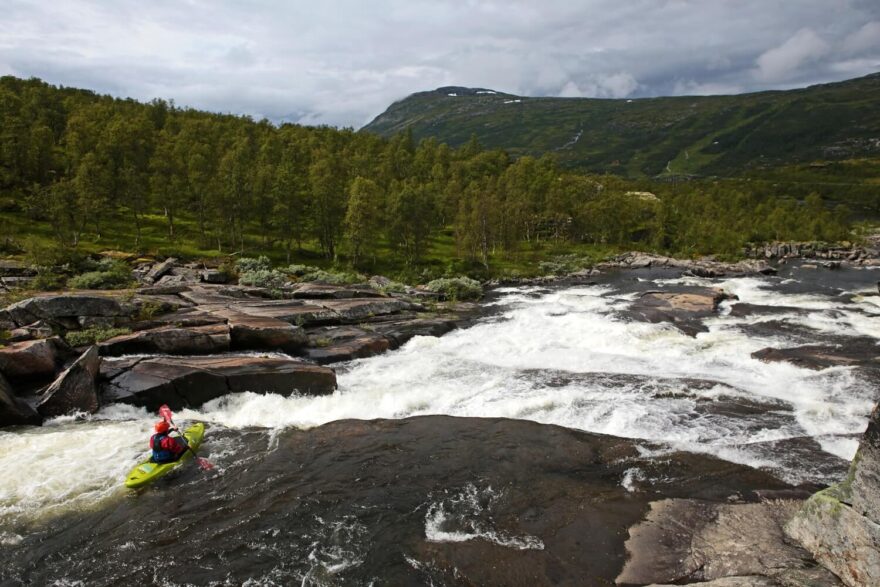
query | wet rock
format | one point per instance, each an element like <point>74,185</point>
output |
<point>357,309</point>
<point>684,308</point>
<point>33,360</point>
<point>191,381</point>
<point>13,410</point>
<point>330,345</point>
<point>537,504</point>
<point>399,332</point>
<point>858,351</point>
<point>686,540</point>
<point>170,340</point>
<point>75,390</point>
<point>173,289</point>
<point>159,270</point>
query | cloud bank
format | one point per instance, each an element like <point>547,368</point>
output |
<point>343,62</point>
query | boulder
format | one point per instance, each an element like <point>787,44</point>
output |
<point>33,360</point>
<point>841,525</point>
<point>75,390</point>
<point>66,308</point>
<point>159,269</point>
<point>866,471</point>
<point>213,276</point>
<point>682,541</point>
<point>191,381</point>
<point>170,340</point>
<point>13,410</point>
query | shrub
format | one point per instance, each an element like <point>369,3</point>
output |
<point>48,279</point>
<point>300,270</point>
<point>249,264</point>
<point>105,274</point>
<point>456,288</point>
<point>268,278</point>
<point>333,277</point>
<point>93,335</point>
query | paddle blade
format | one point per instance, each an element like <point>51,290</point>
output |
<point>165,412</point>
<point>205,464</point>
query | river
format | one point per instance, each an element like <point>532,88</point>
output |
<point>557,355</point>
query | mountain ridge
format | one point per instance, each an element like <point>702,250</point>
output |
<point>651,136</point>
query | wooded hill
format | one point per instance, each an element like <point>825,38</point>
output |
<point>80,171</point>
<point>649,137</point>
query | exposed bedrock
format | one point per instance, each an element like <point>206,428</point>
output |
<point>426,500</point>
<point>75,390</point>
<point>171,340</point>
<point>684,308</point>
<point>841,525</point>
<point>33,360</point>
<point>192,381</point>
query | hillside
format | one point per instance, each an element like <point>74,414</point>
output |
<point>703,135</point>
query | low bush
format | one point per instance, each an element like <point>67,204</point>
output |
<point>105,274</point>
<point>268,278</point>
<point>456,288</point>
<point>249,264</point>
<point>333,277</point>
<point>93,335</point>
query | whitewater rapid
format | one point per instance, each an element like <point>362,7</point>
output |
<point>563,356</point>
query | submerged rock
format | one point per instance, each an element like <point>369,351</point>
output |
<point>75,390</point>
<point>858,351</point>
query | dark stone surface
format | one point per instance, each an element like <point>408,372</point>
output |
<point>192,381</point>
<point>33,360</point>
<point>858,351</point>
<point>265,334</point>
<point>170,340</point>
<point>400,332</point>
<point>682,308</point>
<point>13,410</point>
<point>64,308</point>
<point>75,390</point>
<point>542,505</point>
<point>334,344</point>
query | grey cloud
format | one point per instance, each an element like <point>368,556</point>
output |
<point>343,62</point>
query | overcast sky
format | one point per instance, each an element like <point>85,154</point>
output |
<point>343,62</point>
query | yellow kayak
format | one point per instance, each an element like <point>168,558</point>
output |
<point>148,471</point>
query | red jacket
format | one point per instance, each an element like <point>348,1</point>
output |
<point>169,443</point>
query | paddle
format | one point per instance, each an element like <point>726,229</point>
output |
<point>165,412</point>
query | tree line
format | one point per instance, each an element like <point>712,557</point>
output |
<point>80,161</point>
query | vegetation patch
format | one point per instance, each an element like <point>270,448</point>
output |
<point>95,335</point>
<point>456,288</point>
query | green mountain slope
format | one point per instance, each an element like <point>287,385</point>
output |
<point>705,135</point>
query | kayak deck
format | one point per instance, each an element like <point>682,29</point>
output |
<point>148,471</point>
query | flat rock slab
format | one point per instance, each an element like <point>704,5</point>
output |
<point>55,308</point>
<point>75,390</point>
<point>862,352</point>
<point>318,291</point>
<point>331,345</point>
<point>684,308</point>
<point>191,381</point>
<point>263,333</point>
<point>170,340</point>
<point>686,540</point>
<point>400,332</point>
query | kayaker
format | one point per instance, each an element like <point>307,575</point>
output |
<point>166,449</point>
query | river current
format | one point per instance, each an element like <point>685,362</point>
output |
<point>565,355</point>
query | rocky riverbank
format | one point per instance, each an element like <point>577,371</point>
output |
<point>190,341</point>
